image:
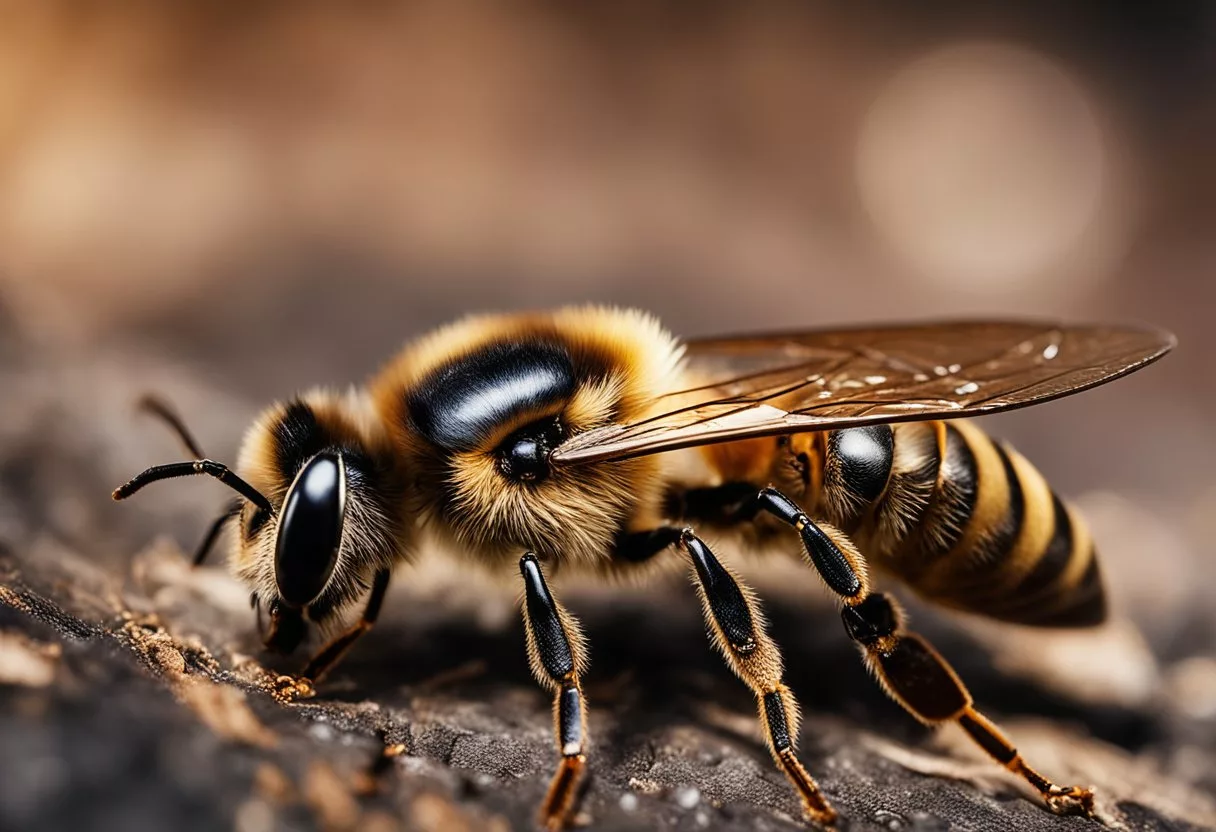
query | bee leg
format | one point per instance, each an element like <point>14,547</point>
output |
<point>826,549</point>
<point>738,630</point>
<point>910,670</point>
<point>329,655</point>
<point>232,510</point>
<point>639,547</point>
<point>555,652</point>
<point>915,675</point>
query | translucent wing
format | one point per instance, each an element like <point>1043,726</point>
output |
<point>805,381</point>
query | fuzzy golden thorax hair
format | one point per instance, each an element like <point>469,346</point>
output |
<point>621,360</point>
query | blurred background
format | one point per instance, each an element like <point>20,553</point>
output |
<point>263,199</point>
<point>227,202</point>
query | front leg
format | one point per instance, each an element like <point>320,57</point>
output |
<point>329,655</point>
<point>555,652</point>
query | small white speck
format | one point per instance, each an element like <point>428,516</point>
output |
<point>875,379</point>
<point>851,383</point>
<point>629,802</point>
<point>322,732</point>
<point>939,370</point>
<point>688,797</point>
<point>969,387</point>
<point>702,819</point>
<point>1051,351</point>
<point>920,377</point>
<point>825,394</point>
<point>954,368</point>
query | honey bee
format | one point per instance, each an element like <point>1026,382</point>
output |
<point>591,439</point>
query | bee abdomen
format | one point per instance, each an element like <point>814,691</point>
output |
<point>969,523</point>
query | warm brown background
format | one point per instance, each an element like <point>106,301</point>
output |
<point>227,204</point>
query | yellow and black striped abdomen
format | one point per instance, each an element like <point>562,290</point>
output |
<point>964,520</point>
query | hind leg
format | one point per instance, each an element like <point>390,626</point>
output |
<point>909,669</point>
<point>918,678</point>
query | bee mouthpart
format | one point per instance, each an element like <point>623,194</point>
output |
<point>287,628</point>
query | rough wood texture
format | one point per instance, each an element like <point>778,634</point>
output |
<point>132,695</point>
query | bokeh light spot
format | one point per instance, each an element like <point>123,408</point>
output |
<point>982,165</point>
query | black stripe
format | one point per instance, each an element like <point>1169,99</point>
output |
<point>1056,557</point>
<point>1085,605</point>
<point>957,494</point>
<point>1000,540</point>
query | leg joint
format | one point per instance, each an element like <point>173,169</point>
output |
<point>837,572</point>
<point>871,622</point>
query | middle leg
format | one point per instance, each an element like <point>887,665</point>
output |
<point>739,633</point>
<point>555,651</point>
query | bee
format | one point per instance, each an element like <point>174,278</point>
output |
<point>590,439</point>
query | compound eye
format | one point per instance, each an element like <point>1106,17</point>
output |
<point>310,531</point>
<point>524,457</point>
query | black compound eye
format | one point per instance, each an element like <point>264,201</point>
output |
<point>525,459</point>
<point>525,454</point>
<point>310,530</point>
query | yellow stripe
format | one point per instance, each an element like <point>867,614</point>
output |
<point>1060,594</point>
<point>1038,528</point>
<point>1082,554</point>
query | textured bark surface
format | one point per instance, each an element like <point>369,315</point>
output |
<point>134,695</point>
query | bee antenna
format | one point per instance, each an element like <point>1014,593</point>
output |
<point>161,409</point>
<point>186,469</point>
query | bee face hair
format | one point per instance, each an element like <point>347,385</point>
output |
<point>336,492</point>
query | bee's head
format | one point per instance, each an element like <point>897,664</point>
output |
<point>322,511</point>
